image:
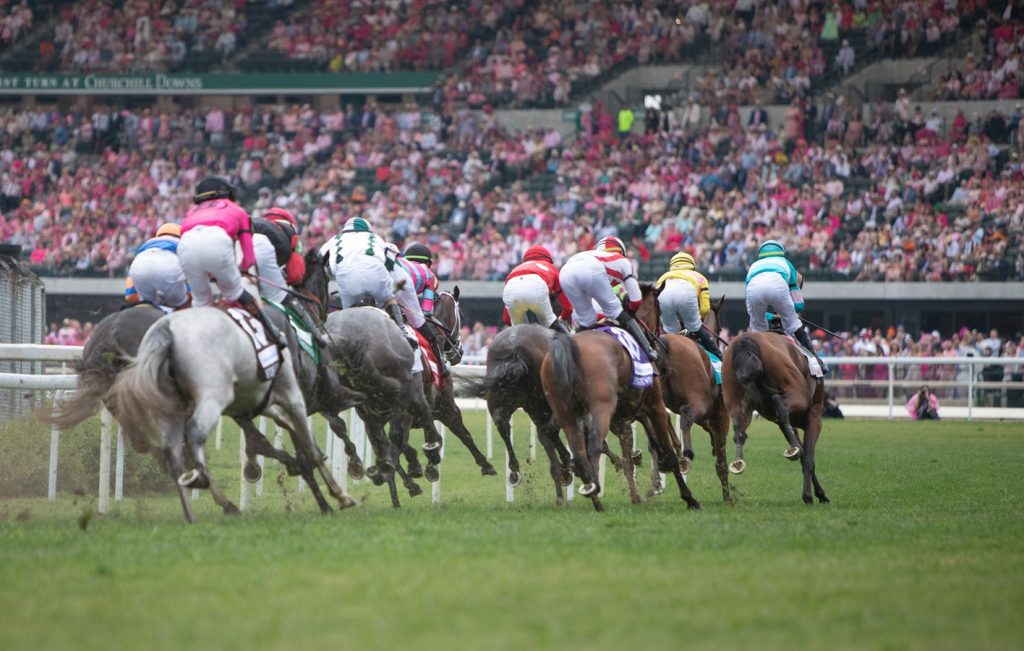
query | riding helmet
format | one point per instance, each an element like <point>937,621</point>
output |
<point>771,248</point>
<point>357,225</point>
<point>611,243</point>
<point>537,252</point>
<point>283,216</point>
<point>174,230</point>
<point>213,187</point>
<point>418,252</point>
<point>682,260</point>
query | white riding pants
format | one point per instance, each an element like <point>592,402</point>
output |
<point>528,293</point>
<point>406,296</point>
<point>158,278</point>
<point>208,252</point>
<point>584,279</point>
<point>766,292</point>
<point>363,275</point>
<point>268,269</point>
<point>679,306</point>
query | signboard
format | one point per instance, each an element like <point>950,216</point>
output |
<point>316,83</point>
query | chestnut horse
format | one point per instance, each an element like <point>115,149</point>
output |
<point>765,372</point>
<point>690,390</point>
<point>586,380</point>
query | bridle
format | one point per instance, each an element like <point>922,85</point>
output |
<point>451,347</point>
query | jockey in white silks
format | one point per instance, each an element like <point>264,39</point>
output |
<point>364,264</point>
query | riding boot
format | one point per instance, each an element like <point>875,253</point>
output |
<point>431,338</point>
<point>307,319</point>
<point>704,338</point>
<point>252,306</point>
<point>559,326</point>
<point>395,312</point>
<point>632,326</point>
<point>801,336</point>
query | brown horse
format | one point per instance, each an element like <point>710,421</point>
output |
<point>763,371</point>
<point>690,389</point>
<point>586,380</point>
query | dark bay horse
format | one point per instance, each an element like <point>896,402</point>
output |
<point>586,380</point>
<point>513,382</point>
<point>441,399</point>
<point>690,389</point>
<point>763,371</point>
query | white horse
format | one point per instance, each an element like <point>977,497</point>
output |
<point>194,366</point>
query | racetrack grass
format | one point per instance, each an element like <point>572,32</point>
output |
<point>921,548</point>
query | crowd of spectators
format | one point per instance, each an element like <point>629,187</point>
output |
<point>15,22</point>
<point>152,35</point>
<point>994,73</point>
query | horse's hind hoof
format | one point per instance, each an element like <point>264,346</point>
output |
<point>515,478</point>
<point>684,465</point>
<point>824,500</point>
<point>808,500</point>
<point>637,457</point>
<point>431,445</point>
<point>375,475</point>
<point>414,489</point>
<point>567,477</point>
<point>432,474</point>
<point>193,479</point>
<point>586,490</point>
<point>347,502</point>
<point>231,509</point>
<point>415,470</point>
<point>694,506</point>
<point>737,467</point>
<point>252,472</point>
<point>356,470</point>
<point>488,470</point>
<point>657,488</point>
<point>794,453</point>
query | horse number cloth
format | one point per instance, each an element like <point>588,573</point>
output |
<point>302,333</point>
<point>812,364</point>
<point>716,364</point>
<point>267,354</point>
<point>643,370</point>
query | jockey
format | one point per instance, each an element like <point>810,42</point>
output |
<point>207,248</point>
<point>279,262</point>
<point>365,266</point>
<point>155,275</point>
<point>530,287</point>
<point>597,275</point>
<point>773,284</point>
<point>417,261</point>
<point>685,296</point>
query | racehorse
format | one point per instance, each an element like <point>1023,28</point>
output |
<point>512,382</point>
<point>183,384</point>
<point>690,389</point>
<point>373,357</point>
<point>586,380</point>
<point>763,371</point>
<point>441,399</point>
<point>114,341</point>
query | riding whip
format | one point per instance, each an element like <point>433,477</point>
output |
<point>815,326</point>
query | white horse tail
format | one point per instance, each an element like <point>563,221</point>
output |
<point>146,389</point>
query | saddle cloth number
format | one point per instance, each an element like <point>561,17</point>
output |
<point>267,353</point>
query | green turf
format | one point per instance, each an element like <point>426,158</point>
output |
<point>922,548</point>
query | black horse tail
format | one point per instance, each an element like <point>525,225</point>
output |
<point>505,367</point>
<point>747,364</point>
<point>569,383</point>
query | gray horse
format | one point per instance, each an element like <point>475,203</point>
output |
<point>374,358</point>
<point>183,384</point>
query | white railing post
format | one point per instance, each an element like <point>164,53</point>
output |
<point>435,488</point>
<point>490,434</point>
<point>107,420</point>
<point>243,485</point>
<point>259,457</point>
<point>51,486</point>
<point>119,465</point>
<point>510,492</point>
<point>970,390</point>
<point>891,366</point>
<point>533,441</point>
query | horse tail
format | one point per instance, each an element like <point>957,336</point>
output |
<point>747,364</point>
<point>568,372</point>
<point>147,388</point>
<point>507,367</point>
<point>84,402</point>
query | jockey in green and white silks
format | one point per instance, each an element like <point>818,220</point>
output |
<point>774,285</point>
<point>365,264</point>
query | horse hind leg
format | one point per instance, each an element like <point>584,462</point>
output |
<point>502,418</point>
<point>795,450</point>
<point>256,444</point>
<point>451,416</point>
<point>717,426</point>
<point>172,434</point>
<point>811,435</point>
<point>740,422</point>
<point>625,435</point>
<point>355,464</point>
<point>555,466</point>
<point>686,425</point>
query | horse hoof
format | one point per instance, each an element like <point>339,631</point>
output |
<point>567,477</point>
<point>808,500</point>
<point>694,506</point>
<point>432,474</point>
<point>684,465</point>
<point>347,502</point>
<point>414,489</point>
<point>356,471</point>
<point>374,473</point>
<point>252,472</point>
<point>637,457</point>
<point>415,471</point>
<point>793,453</point>
<point>514,478</point>
<point>231,509</point>
<point>429,446</point>
<point>737,467</point>
<point>824,500</point>
<point>193,479</point>
<point>488,471</point>
<point>657,488</point>
<point>586,490</point>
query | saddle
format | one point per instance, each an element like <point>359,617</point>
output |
<point>813,367</point>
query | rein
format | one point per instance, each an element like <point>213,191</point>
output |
<point>451,336</point>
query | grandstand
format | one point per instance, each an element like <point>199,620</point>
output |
<point>482,130</point>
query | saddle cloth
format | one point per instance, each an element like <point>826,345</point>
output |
<point>302,333</point>
<point>643,370</point>
<point>428,355</point>
<point>716,364</point>
<point>268,357</point>
<point>812,364</point>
